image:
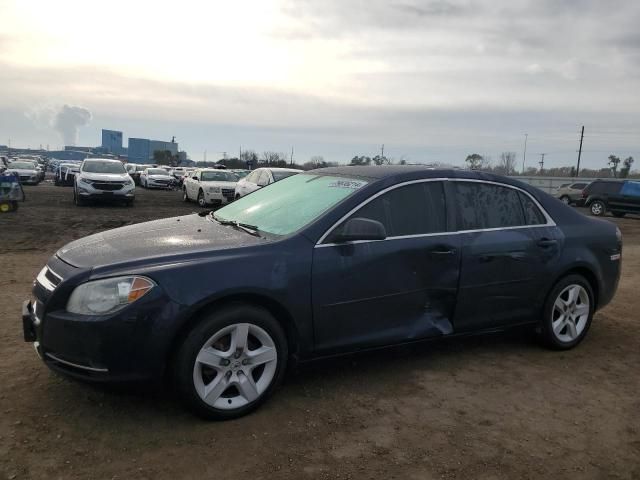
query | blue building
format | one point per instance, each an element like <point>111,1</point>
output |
<point>141,150</point>
<point>112,141</point>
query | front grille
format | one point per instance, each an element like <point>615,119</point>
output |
<point>110,187</point>
<point>25,178</point>
<point>161,182</point>
<point>228,193</point>
<point>48,279</point>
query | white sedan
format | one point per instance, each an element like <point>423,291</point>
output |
<point>209,187</point>
<point>261,177</point>
<point>156,178</point>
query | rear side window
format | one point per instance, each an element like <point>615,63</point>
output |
<point>578,186</point>
<point>482,205</point>
<point>410,210</point>
<point>532,214</point>
<point>605,187</point>
<point>631,189</point>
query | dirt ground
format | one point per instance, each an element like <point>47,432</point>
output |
<point>491,407</point>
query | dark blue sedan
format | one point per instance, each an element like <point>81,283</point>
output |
<point>324,262</point>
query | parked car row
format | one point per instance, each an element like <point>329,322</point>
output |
<point>617,196</point>
<point>217,187</point>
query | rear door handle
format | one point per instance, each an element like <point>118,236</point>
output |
<point>547,242</point>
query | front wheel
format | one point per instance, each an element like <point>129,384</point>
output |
<point>568,312</point>
<point>185,197</point>
<point>231,362</point>
<point>201,200</point>
<point>77,199</point>
<point>598,208</point>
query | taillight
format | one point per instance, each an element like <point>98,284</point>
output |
<point>584,193</point>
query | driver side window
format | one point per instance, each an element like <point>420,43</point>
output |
<point>414,209</point>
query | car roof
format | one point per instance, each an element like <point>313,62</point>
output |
<point>280,169</point>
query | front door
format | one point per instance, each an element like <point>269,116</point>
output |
<point>508,246</point>
<point>402,288</point>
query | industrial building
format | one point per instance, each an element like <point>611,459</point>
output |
<point>141,149</point>
<point>112,142</point>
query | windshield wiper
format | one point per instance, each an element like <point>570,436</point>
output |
<point>250,229</point>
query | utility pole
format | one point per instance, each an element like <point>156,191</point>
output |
<point>580,153</point>
<point>541,163</point>
<point>524,157</point>
<point>292,156</point>
<point>382,151</point>
<point>205,155</point>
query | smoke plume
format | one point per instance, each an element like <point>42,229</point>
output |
<point>68,121</point>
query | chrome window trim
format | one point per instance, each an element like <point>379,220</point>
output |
<point>549,221</point>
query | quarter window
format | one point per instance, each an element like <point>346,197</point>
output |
<point>482,205</point>
<point>532,214</point>
<point>414,209</point>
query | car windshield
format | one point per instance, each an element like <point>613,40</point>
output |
<point>157,171</point>
<point>287,206</point>
<point>103,167</point>
<point>22,165</point>
<point>220,176</point>
<point>280,174</point>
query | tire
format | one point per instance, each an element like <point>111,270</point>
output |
<point>14,205</point>
<point>237,196</point>
<point>128,203</point>
<point>565,199</point>
<point>618,214</point>
<point>598,208</point>
<point>185,197</point>
<point>199,383</point>
<point>79,202</point>
<point>567,313</point>
<point>202,202</point>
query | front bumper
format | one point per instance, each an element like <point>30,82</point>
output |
<point>217,198</point>
<point>126,346</point>
<point>88,192</point>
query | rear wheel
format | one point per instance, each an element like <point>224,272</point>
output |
<point>568,312</point>
<point>231,362</point>
<point>598,208</point>
<point>565,199</point>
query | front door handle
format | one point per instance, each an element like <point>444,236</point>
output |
<point>547,242</point>
<point>443,251</point>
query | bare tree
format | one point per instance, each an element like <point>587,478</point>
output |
<point>317,160</point>
<point>506,164</point>
<point>274,159</point>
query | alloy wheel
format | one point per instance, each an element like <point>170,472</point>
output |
<point>597,208</point>
<point>201,201</point>
<point>570,313</point>
<point>565,200</point>
<point>235,366</point>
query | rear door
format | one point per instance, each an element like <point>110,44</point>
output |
<point>508,247</point>
<point>614,197</point>
<point>630,193</point>
<point>403,288</point>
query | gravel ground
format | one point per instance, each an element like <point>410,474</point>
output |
<point>495,406</point>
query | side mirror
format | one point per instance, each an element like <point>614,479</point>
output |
<point>361,229</point>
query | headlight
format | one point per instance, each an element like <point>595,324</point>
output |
<point>85,181</point>
<point>107,296</point>
<point>214,189</point>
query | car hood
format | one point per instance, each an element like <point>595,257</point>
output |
<point>22,171</point>
<point>109,177</point>
<point>213,183</point>
<point>162,239</point>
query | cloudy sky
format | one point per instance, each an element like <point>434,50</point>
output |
<point>433,80</point>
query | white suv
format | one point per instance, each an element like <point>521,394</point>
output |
<point>209,186</point>
<point>103,179</point>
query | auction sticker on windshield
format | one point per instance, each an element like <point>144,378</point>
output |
<point>353,184</point>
